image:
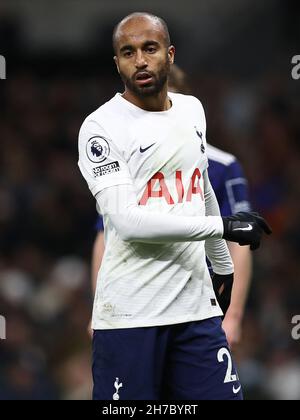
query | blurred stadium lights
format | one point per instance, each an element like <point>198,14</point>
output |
<point>70,26</point>
<point>41,17</point>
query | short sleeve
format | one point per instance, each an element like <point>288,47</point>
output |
<point>100,162</point>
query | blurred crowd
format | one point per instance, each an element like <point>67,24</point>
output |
<point>47,219</point>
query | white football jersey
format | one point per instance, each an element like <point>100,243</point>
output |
<point>163,154</point>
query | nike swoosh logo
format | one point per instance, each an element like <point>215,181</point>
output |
<point>247,229</point>
<point>146,148</point>
<point>236,390</point>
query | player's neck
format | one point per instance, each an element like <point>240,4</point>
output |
<point>155,103</point>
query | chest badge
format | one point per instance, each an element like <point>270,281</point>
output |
<point>200,135</point>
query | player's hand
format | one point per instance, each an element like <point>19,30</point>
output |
<point>245,229</point>
<point>223,287</point>
<point>232,326</point>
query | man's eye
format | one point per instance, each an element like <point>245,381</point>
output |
<point>127,53</point>
<point>151,50</point>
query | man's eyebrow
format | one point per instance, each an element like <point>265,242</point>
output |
<point>145,44</point>
<point>126,47</point>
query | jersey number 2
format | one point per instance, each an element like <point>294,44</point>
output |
<point>230,377</point>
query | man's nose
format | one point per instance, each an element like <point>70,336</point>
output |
<point>140,60</point>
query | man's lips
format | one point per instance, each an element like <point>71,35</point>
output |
<point>143,78</point>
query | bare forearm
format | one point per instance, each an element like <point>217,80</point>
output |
<point>242,260</point>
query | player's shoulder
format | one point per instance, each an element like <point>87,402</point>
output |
<point>103,111</point>
<point>101,121</point>
<point>189,105</point>
<point>185,99</point>
<point>219,156</point>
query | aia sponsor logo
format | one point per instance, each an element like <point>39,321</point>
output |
<point>157,188</point>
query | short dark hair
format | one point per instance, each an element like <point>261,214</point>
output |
<point>141,15</point>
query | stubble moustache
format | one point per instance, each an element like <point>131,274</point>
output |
<point>158,82</point>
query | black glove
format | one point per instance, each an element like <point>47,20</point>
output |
<point>245,228</point>
<point>223,287</point>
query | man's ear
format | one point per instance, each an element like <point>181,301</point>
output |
<point>171,54</point>
<point>117,63</point>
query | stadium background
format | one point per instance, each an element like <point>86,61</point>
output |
<point>59,69</point>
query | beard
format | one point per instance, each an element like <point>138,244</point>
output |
<point>154,88</point>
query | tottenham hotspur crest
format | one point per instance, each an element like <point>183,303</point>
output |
<point>200,135</point>
<point>117,386</point>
